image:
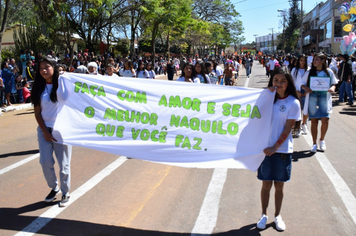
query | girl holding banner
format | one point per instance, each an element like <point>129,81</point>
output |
<point>276,167</point>
<point>189,74</point>
<point>322,80</point>
<point>44,98</point>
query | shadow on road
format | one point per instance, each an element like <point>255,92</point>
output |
<point>302,154</point>
<point>351,111</point>
<point>14,220</point>
<point>22,153</point>
<point>25,113</point>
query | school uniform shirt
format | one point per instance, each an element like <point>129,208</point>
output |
<point>128,73</point>
<point>298,78</point>
<point>271,64</point>
<point>284,109</point>
<point>218,71</point>
<point>113,75</point>
<point>195,80</point>
<point>151,74</point>
<point>143,74</point>
<point>49,109</point>
<point>202,80</point>
<point>310,61</point>
<point>322,74</point>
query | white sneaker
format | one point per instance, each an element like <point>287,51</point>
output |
<point>299,132</point>
<point>261,224</point>
<point>314,148</point>
<point>305,129</point>
<point>280,225</point>
<point>322,145</point>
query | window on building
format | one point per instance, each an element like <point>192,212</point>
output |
<point>338,29</point>
<point>328,27</point>
<point>322,34</point>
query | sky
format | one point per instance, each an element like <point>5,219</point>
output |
<point>258,16</point>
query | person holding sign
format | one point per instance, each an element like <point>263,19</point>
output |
<point>319,82</point>
<point>189,74</point>
<point>44,98</point>
<point>276,167</point>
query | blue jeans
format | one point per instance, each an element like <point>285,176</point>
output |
<point>248,70</point>
<point>63,155</point>
<point>348,87</point>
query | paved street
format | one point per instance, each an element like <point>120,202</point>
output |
<point>113,195</point>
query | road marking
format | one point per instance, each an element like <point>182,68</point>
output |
<point>20,163</point>
<point>208,214</point>
<point>339,184</point>
<point>52,212</point>
<point>246,82</point>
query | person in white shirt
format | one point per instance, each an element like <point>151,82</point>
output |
<point>110,71</point>
<point>310,59</point>
<point>276,167</point>
<point>93,68</point>
<point>141,71</point>
<point>271,64</point>
<point>189,74</point>
<point>219,73</point>
<point>128,70</point>
<point>297,74</point>
<point>151,72</point>
<point>320,103</point>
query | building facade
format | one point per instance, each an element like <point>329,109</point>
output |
<point>267,43</point>
<point>322,28</point>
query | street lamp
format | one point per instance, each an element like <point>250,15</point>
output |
<point>255,42</point>
<point>272,40</point>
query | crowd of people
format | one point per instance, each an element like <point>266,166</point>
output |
<point>290,77</point>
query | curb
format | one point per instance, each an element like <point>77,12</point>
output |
<point>15,107</point>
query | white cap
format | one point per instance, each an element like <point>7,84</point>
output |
<point>92,64</point>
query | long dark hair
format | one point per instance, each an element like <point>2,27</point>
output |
<point>203,70</point>
<point>297,67</point>
<point>313,68</point>
<point>40,83</point>
<point>291,90</point>
<point>193,70</point>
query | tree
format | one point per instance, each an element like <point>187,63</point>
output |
<point>3,20</point>
<point>293,24</point>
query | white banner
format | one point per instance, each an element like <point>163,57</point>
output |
<point>177,123</point>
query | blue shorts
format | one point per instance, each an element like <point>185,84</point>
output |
<point>277,167</point>
<point>318,105</point>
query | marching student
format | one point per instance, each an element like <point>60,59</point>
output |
<point>297,73</point>
<point>44,98</point>
<point>276,167</point>
<point>150,70</point>
<point>320,103</point>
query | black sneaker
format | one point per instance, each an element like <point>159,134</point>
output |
<point>64,201</point>
<point>51,196</point>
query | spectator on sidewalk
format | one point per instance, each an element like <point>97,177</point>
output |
<point>8,77</point>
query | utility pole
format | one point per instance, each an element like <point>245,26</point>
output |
<point>272,40</point>
<point>284,13</point>
<point>255,42</point>
<point>301,28</point>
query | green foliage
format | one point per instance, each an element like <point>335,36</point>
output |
<point>29,37</point>
<point>8,53</point>
<point>290,38</point>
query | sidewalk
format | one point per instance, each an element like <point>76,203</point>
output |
<point>15,107</point>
